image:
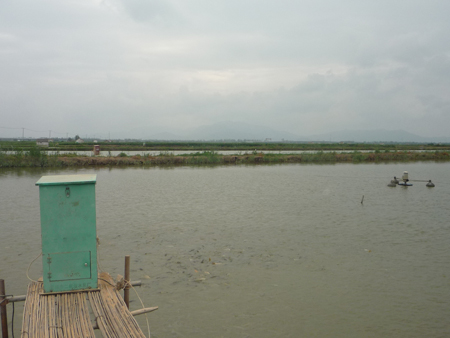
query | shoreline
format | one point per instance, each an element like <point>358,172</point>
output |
<point>41,159</point>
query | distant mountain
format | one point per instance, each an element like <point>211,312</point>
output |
<point>217,131</point>
<point>228,130</point>
<point>163,136</point>
<point>380,135</point>
<point>239,131</point>
<point>149,133</point>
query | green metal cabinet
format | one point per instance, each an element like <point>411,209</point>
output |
<point>69,234</point>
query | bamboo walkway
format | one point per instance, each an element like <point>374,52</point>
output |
<point>74,314</point>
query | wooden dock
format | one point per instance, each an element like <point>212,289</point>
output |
<point>76,314</point>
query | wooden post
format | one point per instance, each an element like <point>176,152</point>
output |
<point>3,303</point>
<point>126,291</point>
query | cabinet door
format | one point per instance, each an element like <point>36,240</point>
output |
<point>69,266</point>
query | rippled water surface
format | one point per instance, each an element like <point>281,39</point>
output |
<point>261,251</point>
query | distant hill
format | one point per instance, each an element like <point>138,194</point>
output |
<point>239,131</point>
<point>217,131</point>
<point>380,135</point>
<point>228,130</point>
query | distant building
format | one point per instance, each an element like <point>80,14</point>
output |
<point>96,149</point>
<point>43,142</point>
<point>79,141</point>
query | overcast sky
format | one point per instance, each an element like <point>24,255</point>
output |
<point>305,67</point>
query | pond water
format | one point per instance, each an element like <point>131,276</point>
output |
<point>260,251</point>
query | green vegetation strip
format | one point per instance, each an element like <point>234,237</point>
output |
<point>36,157</point>
<point>220,146</point>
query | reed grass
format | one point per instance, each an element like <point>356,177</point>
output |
<point>35,157</point>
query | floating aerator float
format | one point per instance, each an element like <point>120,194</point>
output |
<point>405,179</point>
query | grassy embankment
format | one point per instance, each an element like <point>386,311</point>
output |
<point>36,157</point>
<point>220,146</point>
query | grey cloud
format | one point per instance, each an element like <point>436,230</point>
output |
<point>297,66</point>
<point>149,10</point>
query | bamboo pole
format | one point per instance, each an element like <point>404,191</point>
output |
<point>13,299</point>
<point>133,313</point>
<point>22,298</point>
<point>126,291</point>
<point>3,303</point>
<point>144,310</point>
